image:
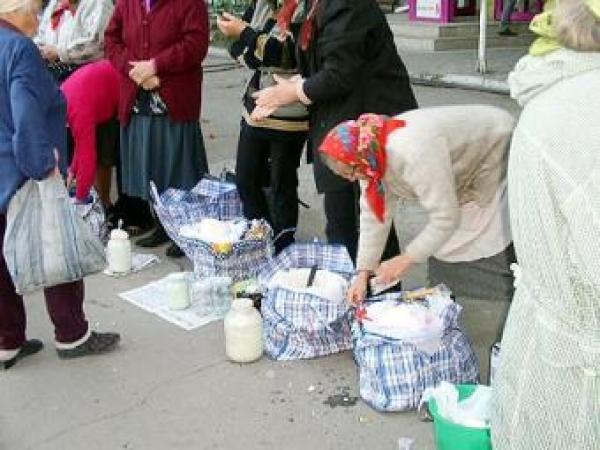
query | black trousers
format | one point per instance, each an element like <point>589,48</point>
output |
<point>342,212</point>
<point>265,160</point>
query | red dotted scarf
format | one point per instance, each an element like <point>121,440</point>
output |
<point>362,144</point>
<point>308,26</point>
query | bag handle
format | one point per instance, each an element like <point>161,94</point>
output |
<point>154,194</point>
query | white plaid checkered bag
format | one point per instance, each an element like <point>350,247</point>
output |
<point>394,373</point>
<point>299,325</point>
<point>217,200</point>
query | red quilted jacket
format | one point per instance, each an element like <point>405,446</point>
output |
<point>175,34</point>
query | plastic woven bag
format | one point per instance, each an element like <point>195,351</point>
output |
<point>394,373</point>
<point>46,241</point>
<point>217,200</point>
<point>299,325</point>
<point>93,215</point>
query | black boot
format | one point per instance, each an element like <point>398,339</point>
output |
<point>158,237</point>
<point>174,251</point>
<point>96,344</point>
<point>30,347</point>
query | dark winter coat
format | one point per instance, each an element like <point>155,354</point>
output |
<point>351,67</point>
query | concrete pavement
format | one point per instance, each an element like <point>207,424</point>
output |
<point>170,389</point>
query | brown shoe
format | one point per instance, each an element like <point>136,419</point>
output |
<point>96,344</point>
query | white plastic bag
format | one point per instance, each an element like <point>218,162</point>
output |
<point>46,242</point>
<point>473,412</point>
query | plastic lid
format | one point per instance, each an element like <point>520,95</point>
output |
<point>240,304</point>
<point>118,233</point>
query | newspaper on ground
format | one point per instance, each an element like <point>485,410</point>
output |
<point>154,298</point>
<point>139,261</point>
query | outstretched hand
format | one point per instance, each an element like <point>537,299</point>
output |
<point>271,98</point>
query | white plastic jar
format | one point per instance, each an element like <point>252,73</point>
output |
<point>118,251</point>
<point>243,332</point>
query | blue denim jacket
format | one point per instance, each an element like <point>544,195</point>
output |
<point>32,115</point>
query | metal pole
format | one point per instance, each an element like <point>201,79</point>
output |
<point>482,63</point>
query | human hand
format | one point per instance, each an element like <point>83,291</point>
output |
<point>230,25</point>
<point>151,83</point>
<point>56,171</point>
<point>142,71</point>
<point>49,53</point>
<point>70,178</point>
<point>271,98</point>
<point>358,291</point>
<point>393,269</point>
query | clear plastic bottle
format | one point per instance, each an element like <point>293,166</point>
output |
<point>222,295</point>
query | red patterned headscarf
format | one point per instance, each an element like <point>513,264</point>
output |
<point>361,143</point>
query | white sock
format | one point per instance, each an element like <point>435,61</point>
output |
<point>6,355</point>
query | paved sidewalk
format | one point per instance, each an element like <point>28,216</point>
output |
<point>459,69</point>
<point>166,388</point>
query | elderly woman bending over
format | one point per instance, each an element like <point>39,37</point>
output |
<point>452,160</point>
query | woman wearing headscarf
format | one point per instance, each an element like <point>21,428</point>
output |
<point>71,34</point>
<point>32,135</point>
<point>349,65</point>
<point>273,145</point>
<point>459,178</point>
<point>546,387</point>
<point>158,47</point>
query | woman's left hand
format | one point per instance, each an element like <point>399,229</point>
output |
<point>393,269</point>
<point>151,83</point>
<point>142,70</point>
<point>271,98</point>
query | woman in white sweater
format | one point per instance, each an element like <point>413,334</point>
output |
<point>452,160</point>
<point>71,33</point>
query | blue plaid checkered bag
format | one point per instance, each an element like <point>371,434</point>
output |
<point>394,373</point>
<point>301,325</point>
<point>217,200</point>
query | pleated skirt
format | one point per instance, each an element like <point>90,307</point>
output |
<point>155,148</point>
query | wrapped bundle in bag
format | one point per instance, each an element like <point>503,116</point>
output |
<point>93,215</point>
<point>219,200</point>
<point>301,323</point>
<point>397,364</point>
<point>46,242</point>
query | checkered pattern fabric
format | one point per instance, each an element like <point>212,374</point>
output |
<point>217,200</point>
<point>394,373</point>
<point>93,215</point>
<point>299,325</point>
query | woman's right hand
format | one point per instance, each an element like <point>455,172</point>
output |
<point>358,291</point>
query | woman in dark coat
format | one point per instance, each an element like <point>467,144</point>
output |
<point>275,144</point>
<point>158,47</point>
<point>350,65</point>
